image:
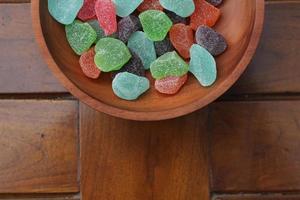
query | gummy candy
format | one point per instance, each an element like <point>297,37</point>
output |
<point>134,66</point>
<point>182,38</point>
<point>183,8</point>
<point>150,5</point>
<point>203,65</point>
<point>80,36</point>
<point>106,14</point>
<point>169,64</point>
<point>156,24</point>
<point>205,14</point>
<point>127,26</point>
<point>175,18</point>
<point>87,64</point>
<point>87,11</point>
<point>126,7</point>
<point>111,54</point>
<point>129,86</point>
<point>162,47</point>
<point>212,41</point>
<point>64,11</point>
<point>215,2</point>
<point>171,84</point>
<point>143,47</point>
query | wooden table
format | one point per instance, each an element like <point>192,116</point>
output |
<point>245,146</point>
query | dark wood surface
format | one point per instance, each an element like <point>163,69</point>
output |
<point>245,146</point>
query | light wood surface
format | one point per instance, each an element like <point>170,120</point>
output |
<point>143,160</point>
<point>241,25</point>
<point>38,146</point>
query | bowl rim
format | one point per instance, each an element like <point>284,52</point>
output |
<point>149,115</point>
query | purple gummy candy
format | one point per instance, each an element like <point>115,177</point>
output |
<point>127,26</point>
<point>212,41</point>
<point>163,47</point>
<point>175,18</point>
<point>215,2</point>
<point>134,66</point>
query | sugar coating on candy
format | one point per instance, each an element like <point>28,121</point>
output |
<point>143,47</point>
<point>156,24</point>
<point>106,14</point>
<point>215,2</point>
<point>162,47</point>
<point>87,64</point>
<point>87,11</point>
<point>175,18</point>
<point>150,5</point>
<point>129,86</point>
<point>183,8</point>
<point>182,38</point>
<point>64,11</point>
<point>100,33</point>
<point>211,40</point>
<point>80,36</point>
<point>127,26</point>
<point>171,84</point>
<point>203,65</point>
<point>205,14</point>
<point>169,64</point>
<point>126,7</point>
<point>111,54</point>
<point>134,66</point>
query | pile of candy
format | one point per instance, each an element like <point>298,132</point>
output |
<point>169,37</point>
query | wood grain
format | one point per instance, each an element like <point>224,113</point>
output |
<point>255,146</point>
<point>22,70</point>
<point>275,67</point>
<point>257,197</point>
<point>38,146</point>
<point>123,159</point>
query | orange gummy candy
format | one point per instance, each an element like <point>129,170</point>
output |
<point>88,65</point>
<point>150,5</point>
<point>205,14</point>
<point>182,38</point>
<point>171,84</point>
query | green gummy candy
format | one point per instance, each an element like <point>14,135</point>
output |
<point>143,47</point>
<point>203,65</point>
<point>126,7</point>
<point>129,86</point>
<point>183,8</point>
<point>169,64</point>
<point>80,36</point>
<point>156,24</point>
<point>100,32</point>
<point>64,11</point>
<point>111,54</point>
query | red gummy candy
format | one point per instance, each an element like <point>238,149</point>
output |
<point>182,38</point>
<point>88,65</point>
<point>150,5</point>
<point>87,11</point>
<point>205,14</point>
<point>107,17</point>
<point>171,84</point>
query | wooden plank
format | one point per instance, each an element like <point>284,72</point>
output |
<point>123,159</point>
<point>22,70</point>
<point>275,68</point>
<point>38,146</point>
<point>255,146</point>
<point>40,197</point>
<point>257,197</point>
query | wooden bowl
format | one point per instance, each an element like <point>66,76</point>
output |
<point>241,24</point>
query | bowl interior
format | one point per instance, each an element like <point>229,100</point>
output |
<point>236,24</point>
